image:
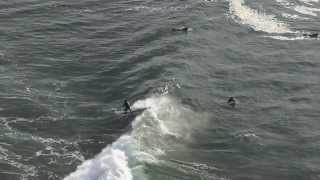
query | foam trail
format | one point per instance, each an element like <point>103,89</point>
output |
<point>292,16</point>
<point>284,2</point>
<point>258,21</point>
<point>284,38</point>
<point>301,9</point>
<point>309,1</point>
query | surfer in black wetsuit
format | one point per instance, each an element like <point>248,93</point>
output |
<point>126,106</point>
<point>311,35</point>
<point>183,29</point>
<point>232,101</point>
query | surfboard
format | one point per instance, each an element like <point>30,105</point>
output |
<point>133,112</point>
<point>128,117</point>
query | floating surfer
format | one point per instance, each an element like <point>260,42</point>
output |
<point>126,106</point>
<point>183,29</point>
<point>232,101</point>
<point>311,35</point>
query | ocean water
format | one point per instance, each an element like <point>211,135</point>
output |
<point>67,65</point>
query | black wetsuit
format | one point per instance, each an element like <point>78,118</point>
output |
<point>232,101</point>
<point>126,106</point>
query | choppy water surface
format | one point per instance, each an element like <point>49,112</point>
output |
<point>67,66</point>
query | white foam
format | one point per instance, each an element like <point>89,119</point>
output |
<point>293,16</point>
<point>151,133</point>
<point>110,164</point>
<point>309,1</point>
<point>143,8</point>
<point>307,10</point>
<point>118,160</point>
<point>285,3</point>
<point>257,20</point>
<point>284,38</point>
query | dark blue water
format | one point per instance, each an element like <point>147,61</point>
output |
<point>67,66</point>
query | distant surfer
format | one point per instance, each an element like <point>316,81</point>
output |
<point>183,29</point>
<point>126,106</point>
<point>232,101</point>
<point>311,35</point>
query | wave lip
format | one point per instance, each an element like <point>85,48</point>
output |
<point>256,20</point>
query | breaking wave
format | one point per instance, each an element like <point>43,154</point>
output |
<point>152,132</point>
<point>259,21</point>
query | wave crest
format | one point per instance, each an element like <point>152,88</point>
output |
<point>255,19</point>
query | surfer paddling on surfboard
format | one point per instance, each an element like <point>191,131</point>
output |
<point>126,106</point>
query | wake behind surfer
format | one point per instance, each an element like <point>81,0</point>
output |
<point>126,106</point>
